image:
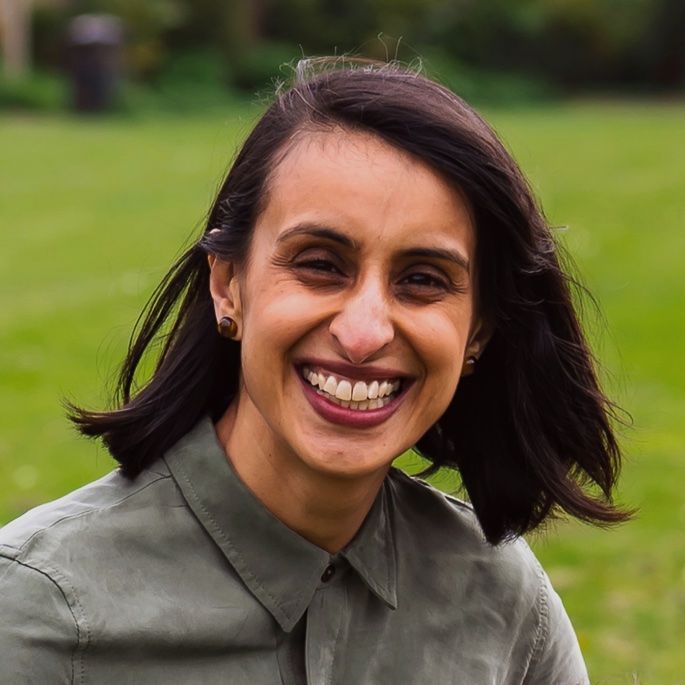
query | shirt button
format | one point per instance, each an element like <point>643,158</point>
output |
<point>328,573</point>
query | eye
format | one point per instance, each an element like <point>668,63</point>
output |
<point>427,284</point>
<point>318,264</point>
<point>319,268</point>
<point>425,280</point>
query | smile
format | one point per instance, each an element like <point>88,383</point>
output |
<point>353,394</point>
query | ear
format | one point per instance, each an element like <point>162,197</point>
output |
<point>478,339</point>
<point>224,288</point>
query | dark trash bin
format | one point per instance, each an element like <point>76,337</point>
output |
<point>95,43</point>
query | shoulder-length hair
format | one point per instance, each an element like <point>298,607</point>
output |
<point>528,432</point>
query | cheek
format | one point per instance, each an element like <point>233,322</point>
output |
<point>443,337</point>
<point>277,320</point>
<point>277,317</point>
<point>440,341</point>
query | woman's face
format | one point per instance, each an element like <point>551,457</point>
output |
<point>356,304</point>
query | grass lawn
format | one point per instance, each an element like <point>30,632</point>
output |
<point>91,212</point>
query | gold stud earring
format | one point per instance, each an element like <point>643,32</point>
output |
<point>227,327</point>
<point>469,366</point>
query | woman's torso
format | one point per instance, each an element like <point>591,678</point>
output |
<point>182,576</point>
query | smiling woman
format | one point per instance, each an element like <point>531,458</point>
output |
<point>380,278</point>
<point>357,272</point>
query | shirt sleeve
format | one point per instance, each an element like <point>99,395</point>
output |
<point>38,633</point>
<point>556,657</point>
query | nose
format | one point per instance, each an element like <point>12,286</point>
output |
<point>363,326</point>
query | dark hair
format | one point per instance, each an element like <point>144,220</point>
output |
<point>527,432</point>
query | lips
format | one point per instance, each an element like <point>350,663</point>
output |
<point>342,380</point>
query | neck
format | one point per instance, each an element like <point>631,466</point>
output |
<point>326,510</point>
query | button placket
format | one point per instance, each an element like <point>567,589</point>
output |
<point>326,617</point>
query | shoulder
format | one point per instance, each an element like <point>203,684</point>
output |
<point>443,524</point>
<point>56,558</point>
<point>503,588</point>
<point>45,555</point>
<point>442,551</point>
<point>82,519</point>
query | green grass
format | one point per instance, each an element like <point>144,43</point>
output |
<point>92,211</point>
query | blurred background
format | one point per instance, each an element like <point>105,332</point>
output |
<point>184,53</point>
<point>118,119</point>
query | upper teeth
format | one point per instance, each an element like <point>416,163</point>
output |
<point>355,391</point>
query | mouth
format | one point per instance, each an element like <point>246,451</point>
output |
<point>346,400</point>
<point>358,395</point>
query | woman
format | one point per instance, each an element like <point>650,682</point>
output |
<point>381,278</point>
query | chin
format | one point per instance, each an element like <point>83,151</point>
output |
<point>346,462</point>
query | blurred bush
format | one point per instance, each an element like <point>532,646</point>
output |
<point>262,66</point>
<point>573,43</point>
<point>38,91</point>
<point>488,50</point>
<point>192,80</point>
<point>486,86</point>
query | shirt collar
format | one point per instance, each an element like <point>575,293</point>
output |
<point>279,567</point>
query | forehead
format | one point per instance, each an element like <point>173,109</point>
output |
<point>357,183</point>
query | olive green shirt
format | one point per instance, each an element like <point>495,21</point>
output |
<point>183,576</point>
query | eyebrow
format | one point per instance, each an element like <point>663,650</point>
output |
<point>332,234</point>
<point>318,232</point>
<point>439,253</point>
